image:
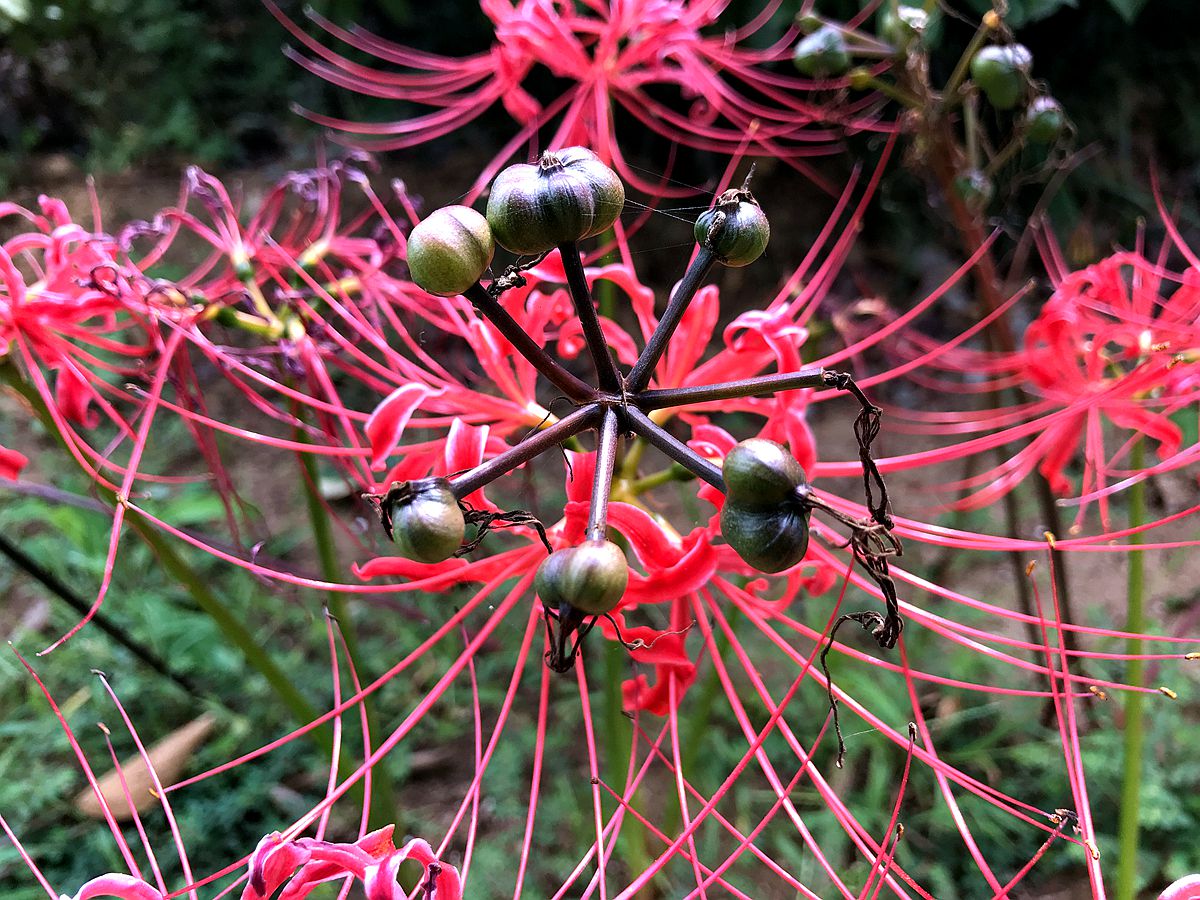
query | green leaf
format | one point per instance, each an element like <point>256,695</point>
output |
<point>1127,9</point>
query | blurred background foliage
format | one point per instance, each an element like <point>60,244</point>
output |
<point>115,83</point>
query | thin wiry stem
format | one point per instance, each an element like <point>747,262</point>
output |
<point>577,286</point>
<point>331,570</point>
<point>1135,724</point>
<point>639,376</point>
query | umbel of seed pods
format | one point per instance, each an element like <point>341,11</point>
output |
<point>567,196</point>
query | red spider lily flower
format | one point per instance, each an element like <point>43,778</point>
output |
<point>614,55</point>
<point>60,310</point>
<point>1109,343</point>
<point>1112,351</point>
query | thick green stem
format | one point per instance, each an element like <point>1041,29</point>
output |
<point>383,807</point>
<point>1135,734</point>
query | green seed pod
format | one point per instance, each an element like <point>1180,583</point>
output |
<point>808,22</point>
<point>904,25</point>
<point>424,520</point>
<point>591,577</point>
<point>736,228</point>
<point>760,474</point>
<point>974,188</point>
<point>1045,120</point>
<point>568,195</point>
<point>768,541</point>
<point>822,53</point>
<point>1002,73</point>
<point>450,250</point>
<point>765,516</point>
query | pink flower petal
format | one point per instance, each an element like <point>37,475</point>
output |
<point>11,463</point>
<point>386,424</point>
<point>125,887</point>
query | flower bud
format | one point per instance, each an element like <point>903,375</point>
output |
<point>568,195</point>
<point>822,53</point>
<point>591,577</point>
<point>1002,73</point>
<point>450,250</point>
<point>735,229</point>
<point>1045,120</point>
<point>424,520</point>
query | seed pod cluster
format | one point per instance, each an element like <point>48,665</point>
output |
<point>766,513</point>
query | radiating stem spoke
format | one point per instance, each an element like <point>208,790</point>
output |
<point>490,307</point>
<point>606,369</point>
<point>606,458</point>
<point>640,423</point>
<point>643,369</point>
<point>732,390</point>
<point>534,445</point>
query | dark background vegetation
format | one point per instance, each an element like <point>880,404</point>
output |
<point>133,90</point>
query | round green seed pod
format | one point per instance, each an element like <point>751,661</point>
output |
<point>424,519</point>
<point>450,250</point>
<point>766,514</point>
<point>760,474</point>
<point>591,577</point>
<point>769,540</point>
<point>735,229</point>
<point>906,25</point>
<point>1045,120</point>
<point>1002,73</point>
<point>974,188</point>
<point>822,54</point>
<point>566,196</point>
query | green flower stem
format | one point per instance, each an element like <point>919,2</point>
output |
<point>234,629</point>
<point>1135,734</point>
<point>665,476</point>
<point>618,740</point>
<point>384,807</point>
<point>56,586</point>
<point>950,91</point>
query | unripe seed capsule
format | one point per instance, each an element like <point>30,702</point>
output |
<point>568,195</point>
<point>424,520</point>
<point>591,577</point>
<point>735,229</point>
<point>1002,73</point>
<point>450,250</point>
